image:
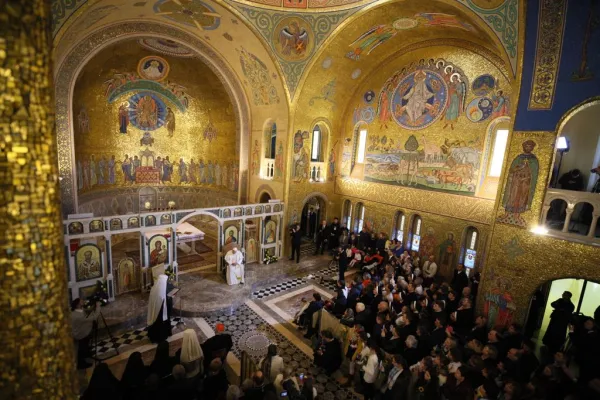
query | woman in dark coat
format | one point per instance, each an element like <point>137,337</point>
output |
<point>103,385</point>
<point>134,376</point>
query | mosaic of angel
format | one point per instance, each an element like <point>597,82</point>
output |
<point>293,39</point>
<point>370,40</point>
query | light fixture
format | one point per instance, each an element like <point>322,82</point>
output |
<point>147,205</point>
<point>311,180</point>
<point>540,230</point>
<point>562,146</point>
<point>171,204</point>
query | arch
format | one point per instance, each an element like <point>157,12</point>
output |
<point>398,227</point>
<point>264,189</point>
<point>269,139</point>
<point>80,54</point>
<point>347,213</point>
<point>359,217</point>
<point>414,233</point>
<point>489,147</point>
<point>565,119</point>
<point>469,247</point>
<point>324,128</point>
<point>195,214</point>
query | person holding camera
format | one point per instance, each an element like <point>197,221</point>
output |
<point>82,330</point>
<point>296,236</point>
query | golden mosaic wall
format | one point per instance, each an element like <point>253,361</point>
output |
<point>37,350</point>
<point>520,261</point>
<point>134,107</point>
<point>443,146</point>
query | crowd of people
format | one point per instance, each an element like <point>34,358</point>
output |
<point>409,335</point>
<point>413,336</point>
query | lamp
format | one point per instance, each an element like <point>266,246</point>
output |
<point>540,230</point>
<point>171,204</point>
<point>147,205</point>
<point>562,146</point>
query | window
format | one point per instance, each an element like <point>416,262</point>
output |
<point>500,142</point>
<point>360,217</point>
<point>271,141</point>
<point>347,213</point>
<point>316,153</point>
<point>415,234</point>
<point>398,230</point>
<point>362,145</point>
<point>468,252</point>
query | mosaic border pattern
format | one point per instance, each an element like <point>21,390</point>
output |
<point>551,27</point>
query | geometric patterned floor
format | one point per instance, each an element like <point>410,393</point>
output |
<point>245,326</point>
<point>324,277</point>
<point>127,338</point>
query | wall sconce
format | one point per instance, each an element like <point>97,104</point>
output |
<point>171,204</point>
<point>147,205</point>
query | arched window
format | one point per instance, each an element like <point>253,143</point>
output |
<point>492,162</point>
<point>398,229</point>
<point>468,251</point>
<point>360,145</point>
<point>359,218</point>
<point>316,153</point>
<point>414,235</point>
<point>270,141</point>
<point>347,213</point>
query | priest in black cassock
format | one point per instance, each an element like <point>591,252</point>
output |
<point>159,322</point>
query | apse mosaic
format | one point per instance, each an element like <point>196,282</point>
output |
<point>425,95</point>
<point>143,121</point>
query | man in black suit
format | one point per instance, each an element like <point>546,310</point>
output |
<point>329,354</point>
<point>334,234</point>
<point>396,384</point>
<point>322,237</point>
<point>312,223</point>
<point>460,279</point>
<point>296,236</point>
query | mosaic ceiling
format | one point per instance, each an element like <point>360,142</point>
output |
<point>294,31</point>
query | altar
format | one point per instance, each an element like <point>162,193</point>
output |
<point>147,175</point>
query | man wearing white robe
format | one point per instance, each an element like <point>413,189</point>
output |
<point>235,266</point>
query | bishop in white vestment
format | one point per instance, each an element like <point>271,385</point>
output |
<point>235,266</point>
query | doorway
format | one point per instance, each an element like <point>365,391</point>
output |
<point>586,299</point>
<point>312,213</point>
<point>264,197</point>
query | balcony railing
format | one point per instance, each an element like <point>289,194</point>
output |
<point>317,171</point>
<point>572,215</point>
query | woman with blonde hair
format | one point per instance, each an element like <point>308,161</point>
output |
<point>190,355</point>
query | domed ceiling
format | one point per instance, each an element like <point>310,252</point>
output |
<point>293,32</point>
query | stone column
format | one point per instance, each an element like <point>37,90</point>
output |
<point>35,334</point>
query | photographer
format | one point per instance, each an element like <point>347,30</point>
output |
<point>296,236</point>
<point>83,324</point>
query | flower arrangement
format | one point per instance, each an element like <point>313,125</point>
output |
<point>100,296</point>
<point>170,273</point>
<point>269,259</point>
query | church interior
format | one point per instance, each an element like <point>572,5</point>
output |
<point>180,171</point>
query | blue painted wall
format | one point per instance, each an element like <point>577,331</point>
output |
<point>568,92</point>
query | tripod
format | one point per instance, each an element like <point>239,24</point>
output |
<point>95,339</point>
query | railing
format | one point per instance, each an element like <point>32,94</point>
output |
<point>572,215</point>
<point>317,171</point>
<point>247,368</point>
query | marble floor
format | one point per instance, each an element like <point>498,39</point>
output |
<point>255,314</point>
